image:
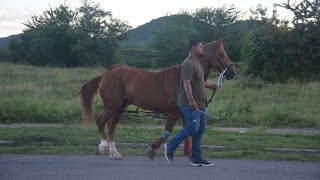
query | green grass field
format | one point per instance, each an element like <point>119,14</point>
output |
<point>48,95</point>
<point>69,139</point>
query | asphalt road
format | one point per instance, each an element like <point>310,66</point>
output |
<point>43,167</point>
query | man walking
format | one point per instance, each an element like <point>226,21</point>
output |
<point>192,98</point>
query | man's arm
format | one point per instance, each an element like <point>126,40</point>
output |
<point>188,89</point>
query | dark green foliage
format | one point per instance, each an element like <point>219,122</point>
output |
<point>143,36</point>
<point>206,24</point>
<point>261,52</point>
<point>171,41</point>
<point>4,54</point>
<point>89,36</point>
<point>63,37</point>
<point>218,19</point>
<point>221,23</point>
<point>139,56</point>
<point>277,54</point>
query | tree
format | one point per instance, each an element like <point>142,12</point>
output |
<point>260,14</point>
<point>66,37</point>
<point>306,34</point>
<point>263,51</point>
<point>48,38</point>
<point>305,12</point>
<point>218,19</point>
<point>275,54</point>
<point>206,24</point>
<point>4,54</point>
<point>218,25</point>
<point>96,31</point>
<point>172,40</point>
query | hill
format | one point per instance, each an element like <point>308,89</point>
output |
<point>137,45</point>
<point>144,35</point>
<point>4,42</point>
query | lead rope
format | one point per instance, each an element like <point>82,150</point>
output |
<point>221,77</point>
<point>219,82</point>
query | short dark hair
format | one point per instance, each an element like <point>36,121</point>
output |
<point>192,43</point>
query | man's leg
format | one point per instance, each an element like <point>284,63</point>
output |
<point>197,137</point>
<point>197,159</point>
<point>193,123</point>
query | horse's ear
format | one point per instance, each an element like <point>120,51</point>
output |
<point>220,41</point>
<point>205,44</point>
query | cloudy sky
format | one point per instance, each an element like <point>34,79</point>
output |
<point>136,12</point>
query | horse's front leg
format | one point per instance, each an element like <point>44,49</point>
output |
<point>112,145</point>
<point>170,122</point>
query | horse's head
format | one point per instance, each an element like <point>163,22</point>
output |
<point>218,58</point>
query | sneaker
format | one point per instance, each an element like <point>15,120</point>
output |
<point>168,154</point>
<point>202,162</point>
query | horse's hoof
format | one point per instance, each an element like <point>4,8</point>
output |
<point>98,153</point>
<point>152,154</point>
<point>116,156</point>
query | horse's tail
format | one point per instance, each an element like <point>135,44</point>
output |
<point>86,94</point>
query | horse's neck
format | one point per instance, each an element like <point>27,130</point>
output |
<point>205,66</point>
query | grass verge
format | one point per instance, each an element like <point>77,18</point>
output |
<point>78,140</point>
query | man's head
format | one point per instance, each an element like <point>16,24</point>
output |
<point>195,47</point>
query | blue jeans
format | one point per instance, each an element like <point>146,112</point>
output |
<point>195,127</point>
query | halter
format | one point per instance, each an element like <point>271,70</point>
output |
<point>224,70</point>
<point>222,62</point>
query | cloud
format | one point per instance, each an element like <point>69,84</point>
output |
<point>12,19</point>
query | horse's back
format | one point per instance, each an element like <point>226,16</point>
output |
<point>145,89</point>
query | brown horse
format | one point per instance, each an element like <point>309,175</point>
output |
<point>121,86</point>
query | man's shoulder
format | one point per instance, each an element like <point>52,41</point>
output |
<point>187,61</point>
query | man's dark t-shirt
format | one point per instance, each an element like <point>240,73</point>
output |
<point>192,70</point>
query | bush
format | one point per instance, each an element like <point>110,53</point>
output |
<point>262,51</point>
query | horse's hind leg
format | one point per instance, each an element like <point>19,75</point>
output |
<point>171,120</point>
<point>112,128</point>
<point>187,146</point>
<point>101,123</point>
<point>112,146</point>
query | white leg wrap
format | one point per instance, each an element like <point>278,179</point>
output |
<point>113,151</point>
<point>103,144</point>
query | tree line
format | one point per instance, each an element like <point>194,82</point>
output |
<point>267,46</point>
<point>88,35</point>
<point>64,37</point>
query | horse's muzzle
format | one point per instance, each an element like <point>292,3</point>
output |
<point>230,73</point>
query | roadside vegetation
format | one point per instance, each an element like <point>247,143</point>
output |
<point>49,95</point>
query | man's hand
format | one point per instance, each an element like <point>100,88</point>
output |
<point>212,86</point>
<point>193,104</point>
